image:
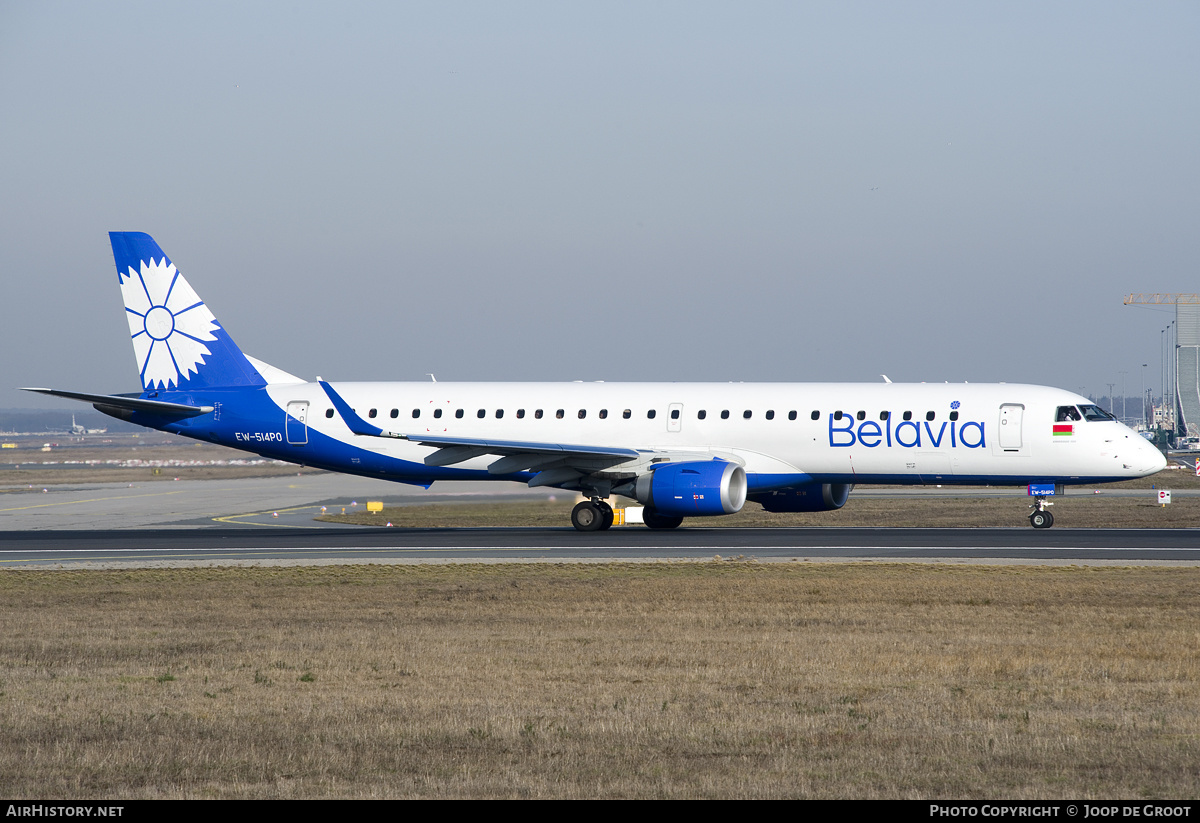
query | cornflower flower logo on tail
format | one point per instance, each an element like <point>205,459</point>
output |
<point>168,323</point>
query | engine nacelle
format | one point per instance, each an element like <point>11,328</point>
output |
<point>811,497</point>
<point>693,489</point>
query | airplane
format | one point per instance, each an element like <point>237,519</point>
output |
<point>79,430</point>
<point>681,449</point>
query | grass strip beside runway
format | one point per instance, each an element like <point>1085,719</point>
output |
<point>677,680</point>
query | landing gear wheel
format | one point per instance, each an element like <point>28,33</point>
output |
<point>1041,520</point>
<point>654,520</point>
<point>587,517</point>
<point>606,513</point>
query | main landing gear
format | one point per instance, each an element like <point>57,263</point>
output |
<point>592,515</point>
<point>596,515</point>
<point>654,520</point>
<point>1041,517</point>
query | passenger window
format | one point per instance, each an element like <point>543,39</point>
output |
<point>604,414</point>
<point>416,413</point>
<point>725,414</point>
<point>930,415</point>
<point>816,415</point>
<point>329,412</point>
<point>862,415</point>
<point>908,415</point>
<point>499,413</point>
<point>746,414</point>
<point>770,414</point>
<point>837,415</point>
<point>674,414</point>
<point>560,414</point>
<point>538,414</point>
<point>953,415</point>
<point>700,415</point>
<point>481,413</point>
<point>520,414</point>
<point>791,415</point>
<point>626,414</point>
<point>650,414</point>
<point>396,413</point>
<point>582,414</point>
<point>372,413</point>
<point>458,413</point>
<point>884,415</point>
<point>437,413</point>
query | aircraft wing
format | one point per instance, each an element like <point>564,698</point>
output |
<point>134,403</point>
<point>554,463</point>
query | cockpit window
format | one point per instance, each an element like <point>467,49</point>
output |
<point>1094,413</point>
<point>1066,414</point>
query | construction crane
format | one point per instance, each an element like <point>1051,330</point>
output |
<point>1162,299</point>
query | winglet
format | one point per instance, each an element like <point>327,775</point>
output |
<point>353,421</point>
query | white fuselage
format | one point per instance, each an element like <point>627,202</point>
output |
<point>828,432</point>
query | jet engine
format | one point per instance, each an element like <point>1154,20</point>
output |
<point>693,489</point>
<point>811,497</point>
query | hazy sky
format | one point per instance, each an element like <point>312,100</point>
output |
<point>644,191</point>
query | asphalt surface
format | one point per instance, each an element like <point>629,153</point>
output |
<point>279,502</point>
<point>270,520</point>
<point>223,546</point>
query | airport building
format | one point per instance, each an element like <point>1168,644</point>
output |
<point>1180,413</point>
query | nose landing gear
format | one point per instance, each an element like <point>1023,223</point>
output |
<point>1041,517</point>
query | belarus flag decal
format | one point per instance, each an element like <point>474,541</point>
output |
<point>1063,430</point>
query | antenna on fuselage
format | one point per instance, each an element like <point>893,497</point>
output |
<point>885,378</point>
<point>431,377</point>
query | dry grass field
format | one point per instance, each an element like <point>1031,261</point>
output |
<point>676,680</point>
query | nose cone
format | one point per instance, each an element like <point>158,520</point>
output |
<point>1148,458</point>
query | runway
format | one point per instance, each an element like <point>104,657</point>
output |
<point>157,547</point>
<point>270,520</point>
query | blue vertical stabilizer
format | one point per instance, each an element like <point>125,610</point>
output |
<point>178,343</point>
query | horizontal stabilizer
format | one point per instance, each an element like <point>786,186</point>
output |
<point>117,401</point>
